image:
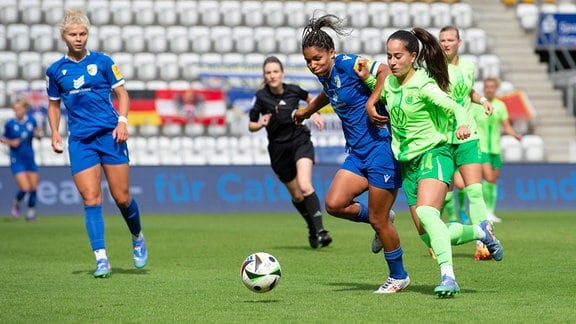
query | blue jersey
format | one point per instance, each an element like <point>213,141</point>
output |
<point>348,96</point>
<point>24,130</point>
<point>85,89</point>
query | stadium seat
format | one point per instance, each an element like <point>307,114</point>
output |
<point>53,11</point>
<point>3,39</point>
<point>357,13</point>
<point>260,150</point>
<point>189,63</point>
<point>241,150</point>
<point>441,15</point>
<point>265,39</point>
<point>211,59</point>
<point>9,12</point>
<point>146,66</point>
<point>19,37</point>
<point>156,85</point>
<point>533,146</point>
<point>353,43</point>
<point>167,65</point>
<point>125,62</point>
<point>194,129</point>
<point>379,14</point>
<point>288,40</point>
<point>121,11</point>
<point>133,84</point>
<point>3,98</point>
<point>489,65</point>
<point>178,40</point>
<point>252,13</point>
<point>200,38</point>
<point>273,12</point>
<point>235,59</point>
<point>400,14</point>
<point>209,13</point>
<point>98,12</point>
<point>93,40</point>
<point>511,149</point>
<point>420,14</point>
<point>505,87</point>
<point>528,15</point>
<point>314,8</point>
<point>462,14</point>
<point>8,65</point>
<point>134,40</point>
<point>373,42</point>
<point>477,41</point>
<point>473,59</point>
<point>143,12</point>
<point>149,130</point>
<point>295,16</point>
<point>30,11</point>
<point>244,39</point>
<point>30,65</point>
<point>566,7</point>
<point>110,38</point>
<point>187,13</point>
<point>338,8</point>
<point>221,37</point>
<point>14,87</point>
<point>230,12</point>
<point>178,85</point>
<point>166,14</point>
<point>42,37</point>
<point>156,39</point>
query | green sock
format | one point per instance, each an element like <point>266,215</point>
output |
<point>448,207</point>
<point>478,208</point>
<point>439,234</point>
<point>461,199</point>
<point>490,191</point>
<point>460,234</point>
<point>426,239</point>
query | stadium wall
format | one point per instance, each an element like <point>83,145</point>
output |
<point>222,189</point>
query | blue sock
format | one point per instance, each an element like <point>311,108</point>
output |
<point>132,217</point>
<point>362,216</point>
<point>20,195</point>
<point>32,199</point>
<point>395,264</point>
<point>95,226</point>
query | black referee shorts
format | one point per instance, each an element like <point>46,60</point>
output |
<point>283,156</point>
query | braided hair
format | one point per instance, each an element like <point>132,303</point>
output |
<point>430,54</point>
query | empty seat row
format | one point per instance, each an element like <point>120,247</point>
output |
<point>528,13</point>
<point>236,13</point>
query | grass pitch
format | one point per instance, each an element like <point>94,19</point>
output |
<point>193,273</point>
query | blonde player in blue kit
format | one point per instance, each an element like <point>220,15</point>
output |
<point>83,81</point>
<point>18,134</point>
<point>370,165</point>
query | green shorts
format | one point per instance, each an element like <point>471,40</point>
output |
<point>495,160</point>
<point>467,153</point>
<point>437,163</point>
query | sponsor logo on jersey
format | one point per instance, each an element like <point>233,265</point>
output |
<point>116,72</point>
<point>79,82</point>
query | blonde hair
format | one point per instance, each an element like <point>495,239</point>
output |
<point>22,101</point>
<point>74,16</point>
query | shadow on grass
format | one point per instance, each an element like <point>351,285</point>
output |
<point>420,289</point>
<point>115,271</point>
<point>262,301</point>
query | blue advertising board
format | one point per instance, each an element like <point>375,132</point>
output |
<point>222,189</point>
<point>556,31</point>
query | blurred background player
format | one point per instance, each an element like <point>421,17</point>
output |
<point>489,128</point>
<point>18,134</point>
<point>370,165</point>
<point>83,81</point>
<point>289,146</point>
<point>468,157</point>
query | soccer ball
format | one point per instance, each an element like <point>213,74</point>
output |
<point>260,272</point>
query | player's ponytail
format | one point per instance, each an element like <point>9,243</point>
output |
<point>314,36</point>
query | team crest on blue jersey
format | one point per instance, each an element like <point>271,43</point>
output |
<point>78,83</point>
<point>92,69</point>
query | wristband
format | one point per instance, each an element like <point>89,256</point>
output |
<point>483,100</point>
<point>123,119</point>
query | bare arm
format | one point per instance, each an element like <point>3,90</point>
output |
<point>508,129</point>
<point>54,123</point>
<point>313,106</point>
<point>120,133</point>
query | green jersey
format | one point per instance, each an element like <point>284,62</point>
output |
<point>489,126</point>
<point>461,83</point>
<point>417,113</point>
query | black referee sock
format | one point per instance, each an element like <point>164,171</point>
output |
<point>301,207</point>
<point>312,204</point>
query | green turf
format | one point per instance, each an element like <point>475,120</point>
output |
<point>193,273</point>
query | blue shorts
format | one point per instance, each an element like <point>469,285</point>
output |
<point>21,164</point>
<point>98,149</point>
<point>379,167</point>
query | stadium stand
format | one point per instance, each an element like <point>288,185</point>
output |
<point>171,43</point>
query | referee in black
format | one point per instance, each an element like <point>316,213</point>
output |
<point>289,146</point>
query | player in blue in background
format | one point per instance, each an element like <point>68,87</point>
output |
<point>370,165</point>
<point>83,81</point>
<point>18,134</point>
